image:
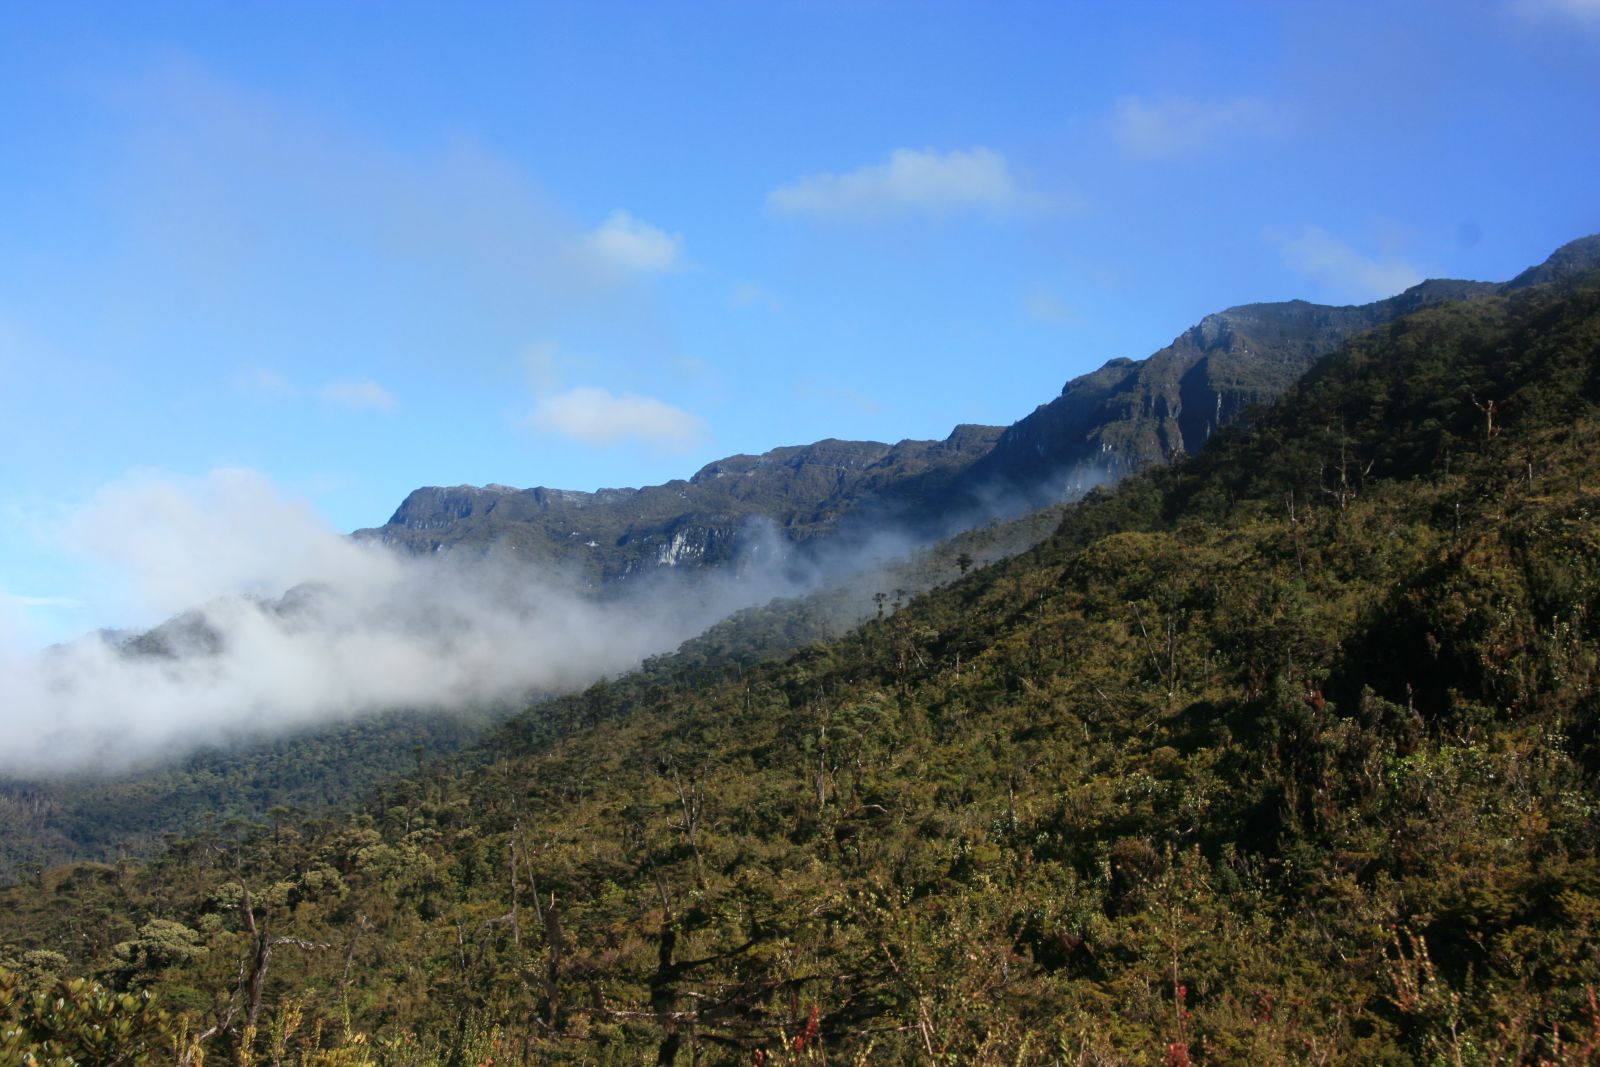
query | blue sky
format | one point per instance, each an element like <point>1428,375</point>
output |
<point>356,248</point>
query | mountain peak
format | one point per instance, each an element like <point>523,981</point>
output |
<point>1572,258</point>
<point>1123,416</point>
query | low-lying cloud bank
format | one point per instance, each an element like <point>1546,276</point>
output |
<point>274,622</point>
<point>281,623</point>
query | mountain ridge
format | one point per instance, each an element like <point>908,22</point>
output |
<point>801,490</point>
<point>1104,424</point>
<point>190,634</point>
<point>1132,413</point>
<point>1288,747</point>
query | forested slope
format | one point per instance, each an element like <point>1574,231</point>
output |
<point>92,816</point>
<point>1284,753</point>
<point>860,499</point>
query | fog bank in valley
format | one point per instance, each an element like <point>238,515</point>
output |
<point>276,622</point>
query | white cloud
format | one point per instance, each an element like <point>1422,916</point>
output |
<point>1043,305</point>
<point>541,364</point>
<point>269,383</point>
<point>626,243</point>
<point>375,631</point>
<point>17,611</point>
<point>1585,13</point>
<point>749,294</point>
<point>597,417</point>
<point>186,540</point>
<point>928,181</point>
<point>357,393</point>
<point>835,396</point>
<point>690,369</point>
<point>343,392</point>
<point>1341,270</point>
<point>234,193</point>
<point>1175,125</point>
<point>20,601</point>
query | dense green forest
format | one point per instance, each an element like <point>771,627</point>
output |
<point>1283,753</point>
<point>90,816</point>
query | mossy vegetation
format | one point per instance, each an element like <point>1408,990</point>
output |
<point>1283,753</point>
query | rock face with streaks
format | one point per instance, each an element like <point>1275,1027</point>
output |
<point>1129,414</point>
<point>730,511</point>
<point>1105,424</point>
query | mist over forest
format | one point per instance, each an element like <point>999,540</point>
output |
<point>1007,534</point>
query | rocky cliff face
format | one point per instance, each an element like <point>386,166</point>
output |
<point>731,511</point>
<point>1105,424</point>
<point>1129,414</point>
<point>1568,261</point>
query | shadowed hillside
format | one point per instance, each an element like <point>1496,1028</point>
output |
<point>1283,752</point>
<point>793,506</point>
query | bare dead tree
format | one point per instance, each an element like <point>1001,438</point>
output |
<point>246,994</point>
<point>1294,528</point>
<point>1344,490</point>
<point>1168,672</point>
<point>261,954</point>
<point>1489,409</point>
<point>691,800</point>
<point>549,917</point>
<point>516,928</point>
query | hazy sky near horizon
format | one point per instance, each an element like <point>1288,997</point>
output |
<point>358,248</point>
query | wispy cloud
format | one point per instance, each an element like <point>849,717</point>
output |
<point>148,525</point>
<point>626,243</point>
<point>17,612</point>
<point>239,193</point>
<point>337,628</point>
<point>1178,125</point>
<point>596,416</point>
<point>835,396</point>
<point>341,392</point>
<point>1340,269</point>
<point>269,383</point>
<point>751,295</point>
<point>21,601</point>
<point>1043,305</point>
<point>1585,13</point>
<point>689,369</point>
<point>542,364</point>
<point>911,181</point>
<point>358,393</point>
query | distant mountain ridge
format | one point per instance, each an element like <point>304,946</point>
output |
<point>1198,771</point>
<point>1106,424</point>
<point>38,821</point>
<point>715,518</point>
<point>1129,414</point>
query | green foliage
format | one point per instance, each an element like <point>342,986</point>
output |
<point>1286,753</point>
<point>92,817</point>
<point>65,1022</point>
